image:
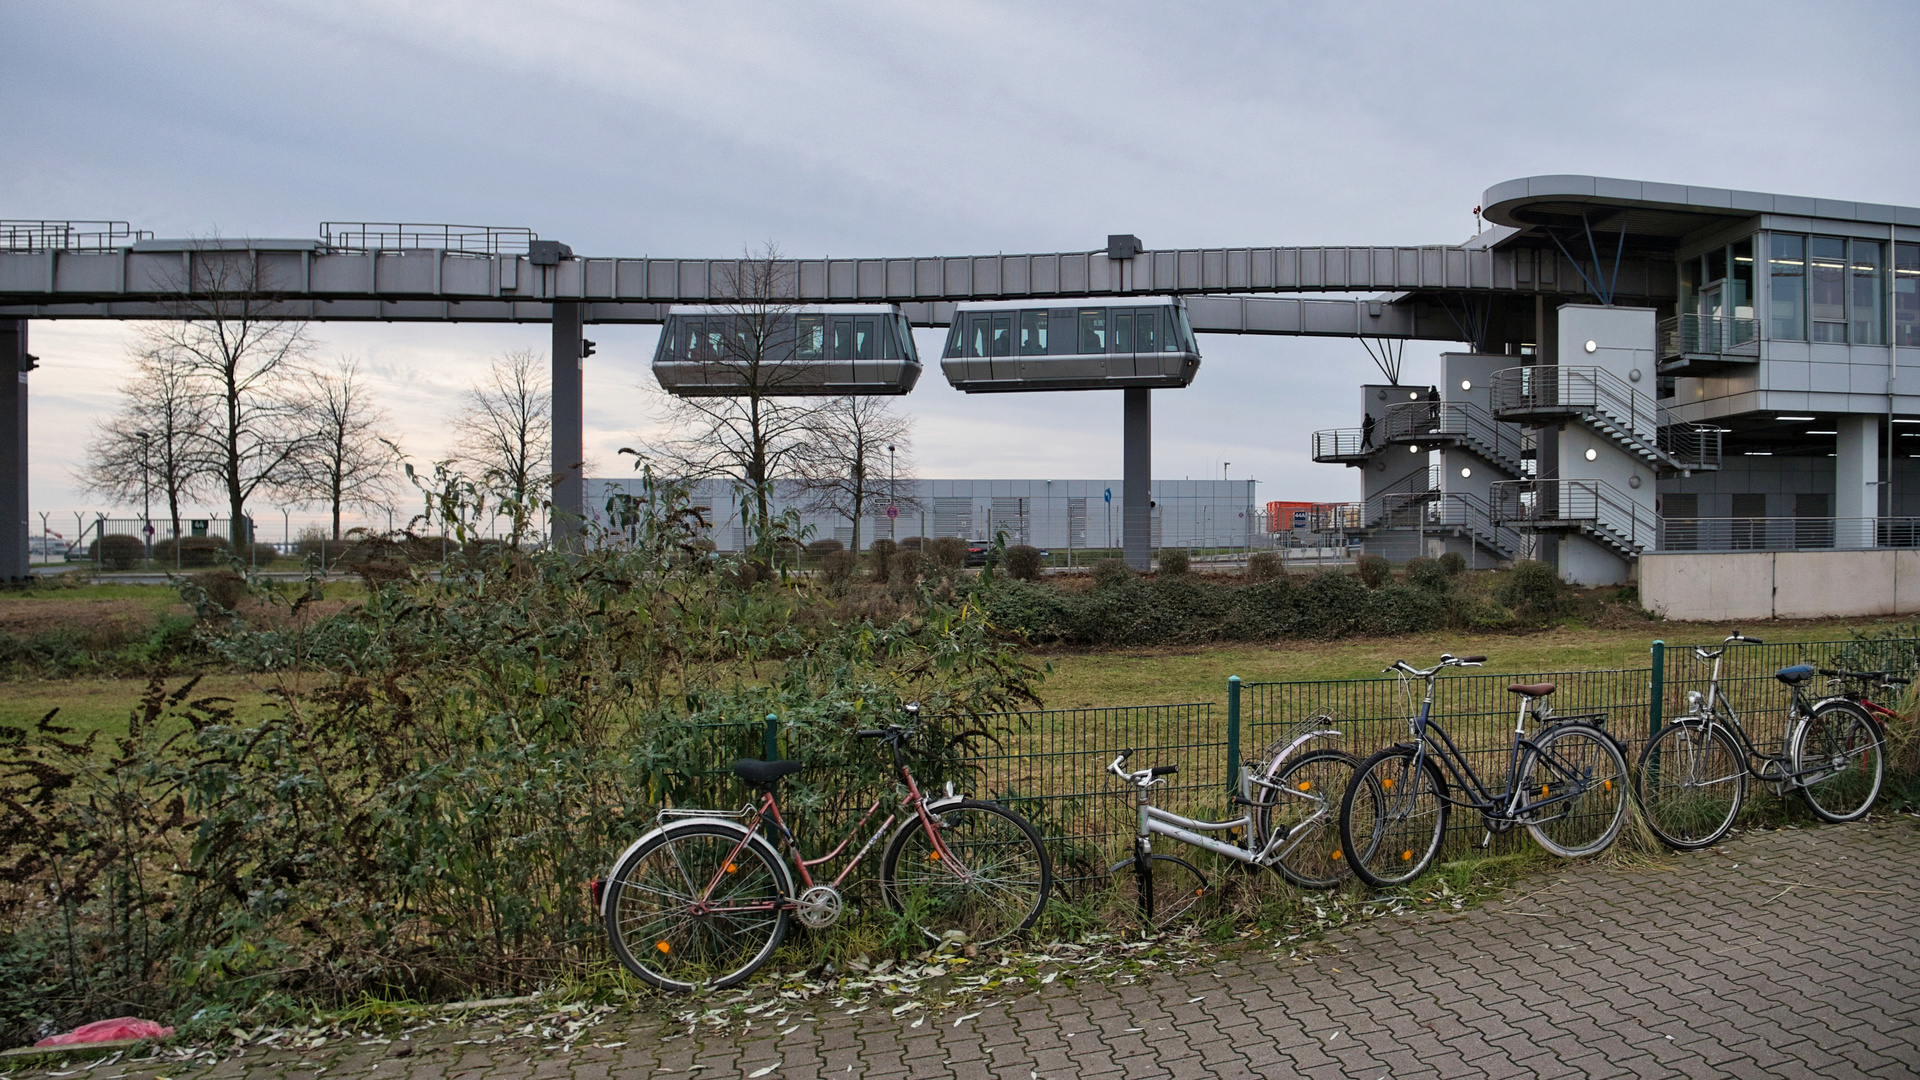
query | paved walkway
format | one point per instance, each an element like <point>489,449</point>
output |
<point>1790,953</point>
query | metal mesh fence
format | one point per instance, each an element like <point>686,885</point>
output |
<point>1476,711</point>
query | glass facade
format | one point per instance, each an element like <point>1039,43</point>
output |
<point>1828,288</point>
<point>1787,287</point>
<point>1906,294</point>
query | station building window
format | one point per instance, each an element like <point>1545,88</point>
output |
<point>1906,294</point>
<point>1839,284</point>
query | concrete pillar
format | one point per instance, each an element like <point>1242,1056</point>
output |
<point>1856,476</point>
<point>1136,478</point>
<point>13,449</point>
<point>569,438</point>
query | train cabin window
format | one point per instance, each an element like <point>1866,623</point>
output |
<point>1093,330</point>
<point>905,330</point>
<point>1146,324</point>
<point>864,333</point>
<point>1185,330</point>
<point>978,327</point>
<point>841,330</point>
<point>1033,333</point>
<point>810,338</point>
<point>1123,331</point>
<point>1003,334</point>
<point>955,334</point>
<point>1062,343</point>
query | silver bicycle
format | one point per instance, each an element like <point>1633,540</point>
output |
<point>1290,825</point>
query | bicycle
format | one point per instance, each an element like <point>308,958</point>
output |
<point>704,899</point>
<point>1692,776</point>
<point>1567,785</point>
<point>1287,827</point>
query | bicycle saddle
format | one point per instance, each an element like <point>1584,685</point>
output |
<point>1795,675</point>
<point>764,774</point>
<point>1531,689</point>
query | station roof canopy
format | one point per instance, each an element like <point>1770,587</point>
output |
<point>1657,215</point>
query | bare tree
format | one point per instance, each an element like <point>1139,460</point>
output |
<point>505,430</point>
<point>346,461</point>
<point>150,446</point>
<point>754,432</point>
<point>852,455</point>
<point>237,346</point>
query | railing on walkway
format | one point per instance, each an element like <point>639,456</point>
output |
<point>31,236</point>
<point>1714,335</point>
<point>1341,444</point>
<point>1787,534</point>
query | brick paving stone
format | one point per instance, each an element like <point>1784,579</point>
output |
<point>1779,953</point>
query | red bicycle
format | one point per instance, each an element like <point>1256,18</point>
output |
<point>704,899</point>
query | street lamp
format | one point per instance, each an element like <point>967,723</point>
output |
<point>893,500</point>
<point>146,495</point>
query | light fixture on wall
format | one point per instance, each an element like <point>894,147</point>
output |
<point>1465,472</point>
<point>1592,454</point>
<point>1466,384</point>
<point>1633,481</point>
<point>1592,346</point>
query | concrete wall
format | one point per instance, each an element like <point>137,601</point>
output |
<point>1780,585</point>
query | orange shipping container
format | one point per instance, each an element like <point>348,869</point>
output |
<point>1287,516</point>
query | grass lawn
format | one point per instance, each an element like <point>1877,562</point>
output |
<point>1168,675</point>
<point>90,704</point>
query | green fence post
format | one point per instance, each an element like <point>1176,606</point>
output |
<point>1233,734</point>
<point>773,733</point>
<point>1659,688</point>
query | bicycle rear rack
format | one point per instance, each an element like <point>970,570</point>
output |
<point>668,812</point>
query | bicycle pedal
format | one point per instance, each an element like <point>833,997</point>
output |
<point>1486,841</point>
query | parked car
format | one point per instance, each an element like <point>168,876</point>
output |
<point>977,552</point>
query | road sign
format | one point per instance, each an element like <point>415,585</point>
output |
<point>1109,496</point>
<point>893,511</point>
<point>148,530</point>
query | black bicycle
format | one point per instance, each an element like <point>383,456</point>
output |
<point>1693,773</point>
<point>1567,785</point>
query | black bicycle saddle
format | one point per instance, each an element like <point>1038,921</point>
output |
<point>1795,675</point>
<point>764,774</point>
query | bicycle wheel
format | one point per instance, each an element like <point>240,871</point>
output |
<point>1304,806</point>
<point>1392,817</point>
<point>1170,890</point>
<point>1582,769</point>
<point>998,887</point>
<point>1838,756</point>
<point>1691,782</point>
<point>696,907</point>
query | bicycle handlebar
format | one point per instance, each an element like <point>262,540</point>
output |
<point>1447,660</point>
<point>1142,778</point>
<point>1163,770</point>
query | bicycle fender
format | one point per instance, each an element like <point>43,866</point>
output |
<point>944,801</point>
<point>786,882</point>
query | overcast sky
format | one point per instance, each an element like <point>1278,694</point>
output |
<point>900,129</point>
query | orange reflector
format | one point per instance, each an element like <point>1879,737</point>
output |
<point>663,946</point>
<point>1336,854</point>
<point>1543,791</point>
<point>1305,784</point>
<point>1199,892</point>
<point>1609,785</point>
<point>733,868</point>
<point>1386,781</point>
<point>1406,856</point>
<point>934,855</point>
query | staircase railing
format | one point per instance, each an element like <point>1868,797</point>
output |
<point>1340,443</point>
<point>1594,505</point>
<point>1637,418</point>
<point>1416,420</point>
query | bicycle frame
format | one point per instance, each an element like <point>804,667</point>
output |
<point>1259,850</point>
<point>753,817</point>
<point>1708,709</point>
<point>1508,804</point>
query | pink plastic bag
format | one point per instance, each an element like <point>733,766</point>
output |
<point>120,1027</point>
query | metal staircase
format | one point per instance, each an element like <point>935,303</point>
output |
<point>1459,424</point>
<point>1611,406</point>
<point>1590,508</point>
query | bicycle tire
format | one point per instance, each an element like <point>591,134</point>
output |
<point>1313,786</point>
<point>1169,889</point>
<point>1845,743</point>
<point>1392,840</point>
<point>1008,873</point>
<point>650,906</point>
<point>1569,758</point>
<point>1691,782</point>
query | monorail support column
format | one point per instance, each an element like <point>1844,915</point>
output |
<point>1136,479</point>
<point>14,364</point>
<point>569,436</point>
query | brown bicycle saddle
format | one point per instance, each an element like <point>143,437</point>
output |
<point>1531,689</point>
